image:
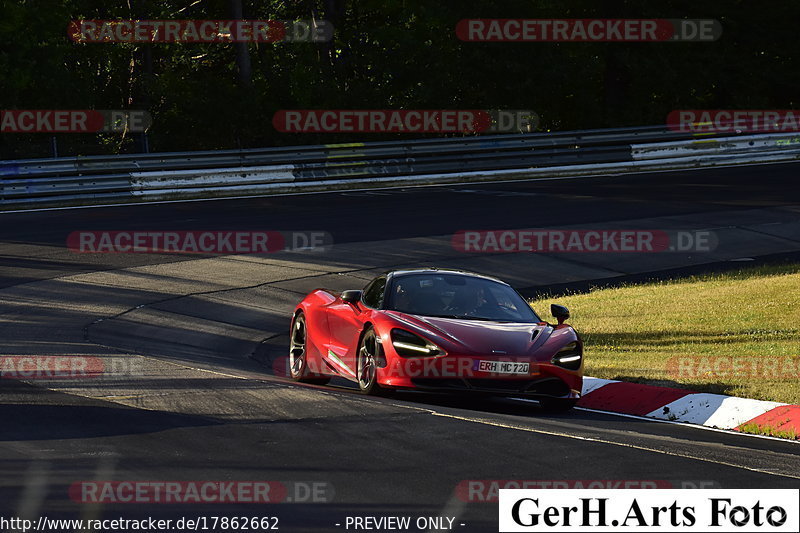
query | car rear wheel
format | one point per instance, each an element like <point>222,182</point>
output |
<point>298,353</point>
<point>366,364</point>
<point>557,405</point>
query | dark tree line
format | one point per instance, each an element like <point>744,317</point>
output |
<point>385,54</point>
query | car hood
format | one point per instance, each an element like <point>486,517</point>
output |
<point>479,337</point>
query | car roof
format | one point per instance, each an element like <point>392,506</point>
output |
<point>432,270</point>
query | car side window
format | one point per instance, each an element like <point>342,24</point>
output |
<point>373,294</point>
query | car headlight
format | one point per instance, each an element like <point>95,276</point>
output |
<point>569,356</point>
<point>408,344</point>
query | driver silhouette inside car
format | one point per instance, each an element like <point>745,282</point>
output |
<point>415,299</point>
<point>469,301</point>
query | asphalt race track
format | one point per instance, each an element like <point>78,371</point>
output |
<point>201,338</point>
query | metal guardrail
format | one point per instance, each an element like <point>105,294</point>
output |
<point>178,175</point>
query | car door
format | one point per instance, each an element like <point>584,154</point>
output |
<point>346,321</point>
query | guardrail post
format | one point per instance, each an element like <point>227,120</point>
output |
<point>144,143</point>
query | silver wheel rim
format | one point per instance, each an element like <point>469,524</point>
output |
<point>297,348</point>
<point>366,361</point>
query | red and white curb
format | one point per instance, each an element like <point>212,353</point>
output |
<point>681,405</point>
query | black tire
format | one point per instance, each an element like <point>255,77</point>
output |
<point>557,405</point>
<point>366,365</point>
<point>298,354</point>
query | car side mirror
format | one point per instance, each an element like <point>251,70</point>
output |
<point>559,312</point>
<point>351,297</point>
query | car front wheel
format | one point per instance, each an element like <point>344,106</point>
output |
<point>298,353</point>
<point>367,364</point>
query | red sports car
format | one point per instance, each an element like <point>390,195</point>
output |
<point>441,330</point>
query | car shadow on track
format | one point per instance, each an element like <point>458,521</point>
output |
<point>272,357</point>
<point>477,403</point>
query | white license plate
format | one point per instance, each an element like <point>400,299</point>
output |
<point>504,367</point>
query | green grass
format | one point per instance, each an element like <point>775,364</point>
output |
<point>735,333</point>
<point>770,431</point>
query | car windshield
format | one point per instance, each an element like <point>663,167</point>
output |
<point>458,296</point>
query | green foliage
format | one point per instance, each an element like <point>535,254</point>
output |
<point>385,54</point>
